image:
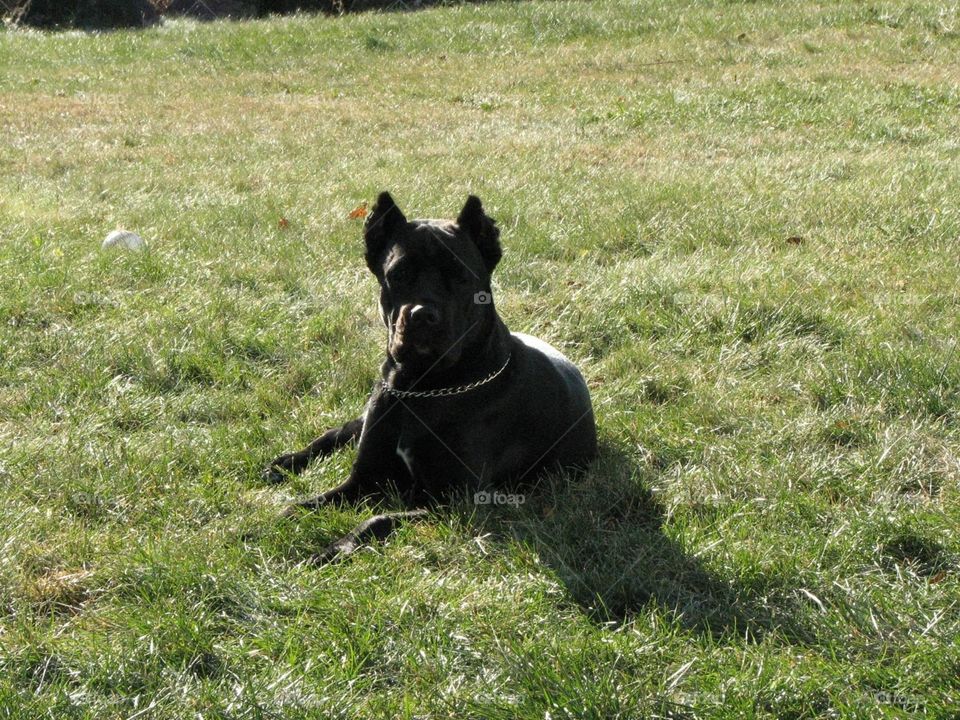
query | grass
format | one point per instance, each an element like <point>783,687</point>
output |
<point>740,219</point>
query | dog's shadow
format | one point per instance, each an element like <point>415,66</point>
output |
<point>604,536</point>
<point>607,539</point>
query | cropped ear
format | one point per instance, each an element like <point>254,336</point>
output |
<point>380,226</point>
<point>482,230</point>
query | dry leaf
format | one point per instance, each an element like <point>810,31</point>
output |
<point>284,223</point>
<point>795,240</point>
<point>358,212</point>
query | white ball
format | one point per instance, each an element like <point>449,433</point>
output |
<point>123,239</point>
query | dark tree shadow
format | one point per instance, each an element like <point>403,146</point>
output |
<point>603,535</point>
<point>82,14</point>
<point>241,9</point>
<point>106,15</point>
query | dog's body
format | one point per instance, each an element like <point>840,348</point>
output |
<point>463,403</point>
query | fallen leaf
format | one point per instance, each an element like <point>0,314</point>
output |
<point>939,577</point>
<point>360,211</point>
<point>284,223</point>
<point>795,240</point>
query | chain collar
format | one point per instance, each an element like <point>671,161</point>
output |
<point>447,391</point>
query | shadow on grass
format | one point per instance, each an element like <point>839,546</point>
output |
<point>603,536</point>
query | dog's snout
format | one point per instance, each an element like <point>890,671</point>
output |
<point>424,315</point>
<point>418,332</point>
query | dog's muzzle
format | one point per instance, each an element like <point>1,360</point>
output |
<point>417,333</point>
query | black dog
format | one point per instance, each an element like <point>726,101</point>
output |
<point>463,403</point>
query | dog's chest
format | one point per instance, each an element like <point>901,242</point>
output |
<point>436,450</point>
<point>406,454</point>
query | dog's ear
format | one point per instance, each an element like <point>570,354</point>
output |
<point>482,230</point>
<point>381,224</point>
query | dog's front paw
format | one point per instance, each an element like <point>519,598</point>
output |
<point>300,506</point>
<point>278,469</point>
<point>335,551</point>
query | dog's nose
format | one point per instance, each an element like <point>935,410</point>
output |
<point>424,315</point>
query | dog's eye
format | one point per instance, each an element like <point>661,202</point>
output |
<point>399,274</point>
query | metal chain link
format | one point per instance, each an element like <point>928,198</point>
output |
<point>444,392</point>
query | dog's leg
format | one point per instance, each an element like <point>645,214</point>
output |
<point>368,478</point>
<point>349,491</point>
<point>376,528</point>
<point>377,469</point>
<point>323,446</point>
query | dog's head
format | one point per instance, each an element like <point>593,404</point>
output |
<point>434,280</point>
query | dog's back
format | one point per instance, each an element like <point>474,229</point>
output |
<point>550,405</point>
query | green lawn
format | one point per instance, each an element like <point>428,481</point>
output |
<point>742,220</point>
